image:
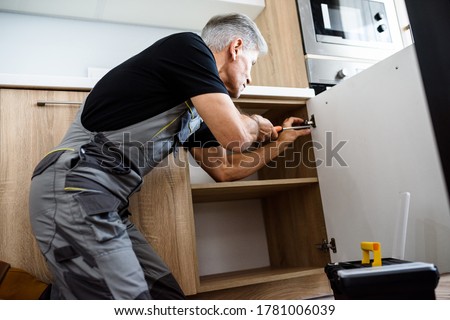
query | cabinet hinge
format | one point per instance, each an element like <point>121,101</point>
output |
<point>325,245</point>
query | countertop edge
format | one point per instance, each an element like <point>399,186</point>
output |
<point>86,84</point>
<point>46,82</point>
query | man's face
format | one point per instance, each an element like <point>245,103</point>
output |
<point>236,75</point>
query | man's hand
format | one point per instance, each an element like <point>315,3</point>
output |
<point>266,130</point>
<point>292,135</point>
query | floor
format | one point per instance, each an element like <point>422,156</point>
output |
<point>443,288</point>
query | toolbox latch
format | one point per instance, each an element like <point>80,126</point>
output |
<point>374,247</point>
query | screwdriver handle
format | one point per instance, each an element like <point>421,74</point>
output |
<point>279,128</point>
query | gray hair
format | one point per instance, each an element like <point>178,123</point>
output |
<point>222,29</point>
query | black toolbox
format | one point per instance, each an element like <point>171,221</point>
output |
<point>394,280</point>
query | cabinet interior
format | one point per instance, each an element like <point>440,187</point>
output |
<point>287,193</point>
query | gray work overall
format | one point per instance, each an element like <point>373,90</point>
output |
<point>78,208</point>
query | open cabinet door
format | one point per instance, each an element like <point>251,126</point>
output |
<point>374,144</point>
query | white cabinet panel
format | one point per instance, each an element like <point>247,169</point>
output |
<point>374,140</point>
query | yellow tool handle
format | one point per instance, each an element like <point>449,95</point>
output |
<point>375,247</point>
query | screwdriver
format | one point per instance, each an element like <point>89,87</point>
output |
<point>306,125</point>
<point>281,129</point>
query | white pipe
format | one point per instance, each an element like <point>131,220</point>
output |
<point>399,246</point>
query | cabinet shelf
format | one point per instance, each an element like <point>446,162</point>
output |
<point>254,276</point>
<point>275,104</point>
<point>269,101</point>
<point>239,190</point>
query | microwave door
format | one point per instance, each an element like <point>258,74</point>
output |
<point>340,20</point>
<point>359,29</point>
<point>350,22</point>
<point>374,144</point>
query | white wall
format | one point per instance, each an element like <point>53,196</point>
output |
<point>37,45</point>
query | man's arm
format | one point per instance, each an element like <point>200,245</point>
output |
<point>234,131</point>
<point>222,166</point>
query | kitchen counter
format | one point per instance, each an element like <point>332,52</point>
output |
<point>86,84</point>
<point>46,82</point>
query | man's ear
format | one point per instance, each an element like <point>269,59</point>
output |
<point>235,48</point>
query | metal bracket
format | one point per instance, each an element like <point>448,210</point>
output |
<point>311,121</point>
<point>326,246</point>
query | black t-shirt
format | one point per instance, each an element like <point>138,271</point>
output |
<point>170,71</point>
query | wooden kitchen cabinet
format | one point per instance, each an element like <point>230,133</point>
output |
<point>292,212</point>
<point>163,209</point>
<point>29,129</point>
<point>27,133</point>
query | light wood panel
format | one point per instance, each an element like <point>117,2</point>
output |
<point>27,133</point>
<point>294,227</point>
<point>255,276</point>
<point>284,65</point>
<point>297,161</point>
<point>315,284</point>
<point>294,219</point>
<point>443,288</point>
<point>211,192</point>
<point>279,104</point>
<point>163,212</point>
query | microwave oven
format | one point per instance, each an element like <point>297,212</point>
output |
<point>344,37</point>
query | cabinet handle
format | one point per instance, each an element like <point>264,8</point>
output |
<point>44,103</point>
